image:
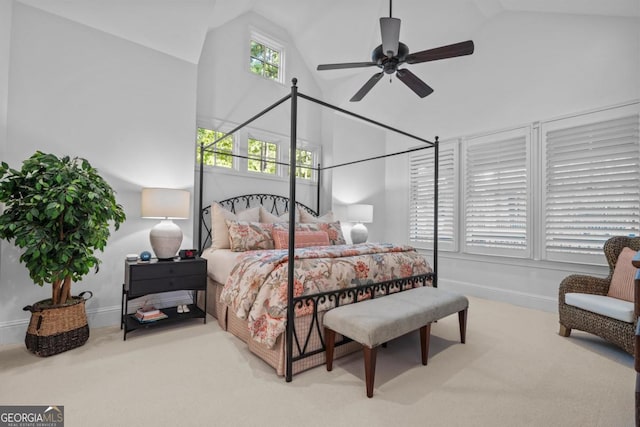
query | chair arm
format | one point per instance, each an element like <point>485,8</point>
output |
<point>583,284</point>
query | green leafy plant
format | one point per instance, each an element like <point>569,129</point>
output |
<point>59,211</point>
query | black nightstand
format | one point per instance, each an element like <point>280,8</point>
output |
<point>153,277</point>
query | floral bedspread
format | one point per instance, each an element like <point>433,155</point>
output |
<point>257,286</point>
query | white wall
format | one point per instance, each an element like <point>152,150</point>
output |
<point>526,67</point>
<point>362,182</point>
<point>5,49</point>
<point>127,109</point>
<point>229,94</point>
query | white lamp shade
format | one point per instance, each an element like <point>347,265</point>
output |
<point>165,203</point>
<point>360,213</point>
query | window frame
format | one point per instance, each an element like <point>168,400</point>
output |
<point>234,148</point>
<point>592,119</point>
<point>264,160</point>
<point>273,44</point>
<point>493,138</point>
<point>446,148</point>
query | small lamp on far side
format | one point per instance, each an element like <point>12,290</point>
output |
<point>165,204</point>
<point>359,214</point>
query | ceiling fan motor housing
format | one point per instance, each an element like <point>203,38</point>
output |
<point>389,65</point>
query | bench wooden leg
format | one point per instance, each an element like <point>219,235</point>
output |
<point>462,318</point>
<point>329,343</point>
<point>425,335</point>
<point>369,367</point>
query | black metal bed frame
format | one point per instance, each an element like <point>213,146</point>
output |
<point>352,294</point>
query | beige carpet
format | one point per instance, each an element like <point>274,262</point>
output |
<point>514,370</point>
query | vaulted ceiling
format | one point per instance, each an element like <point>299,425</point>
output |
<point>326,31</point>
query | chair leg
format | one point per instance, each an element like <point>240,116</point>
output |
<point>425,335</point>
<point>329,343</point>
<point>564,331</point>
<point>462,319</point>
<point>369,367</point>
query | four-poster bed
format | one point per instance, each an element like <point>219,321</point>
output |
<point>310,289</point>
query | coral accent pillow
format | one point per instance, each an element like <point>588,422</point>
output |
<point>249,236</point>
<point>622,282</point>
<point>304,239</point>
<point>219,228</point>
<point>333,230</point>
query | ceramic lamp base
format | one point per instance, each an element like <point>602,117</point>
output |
<point>165,238</point>
<point>359,234</point>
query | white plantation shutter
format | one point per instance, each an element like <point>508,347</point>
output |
<point>496,194</point>
<point>421,196</point>
<point>592,183</point>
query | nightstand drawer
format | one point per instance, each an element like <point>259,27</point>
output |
<point>161,270</point>
<point>166,284</point>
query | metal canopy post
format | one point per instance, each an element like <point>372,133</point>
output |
<point>435,211</point>
<point>292,228</point>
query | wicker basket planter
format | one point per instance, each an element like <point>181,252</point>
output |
<point>54,329</point>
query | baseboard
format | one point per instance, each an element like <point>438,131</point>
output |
<point>522,299</point>
<point>14,331</point>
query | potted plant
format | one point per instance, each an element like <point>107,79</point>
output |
<point>58,210</point>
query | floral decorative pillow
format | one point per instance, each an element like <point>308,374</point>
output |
<point>219,228</point>
<point>248,236</point>
<point>333,230</point>
<point>304,239</point>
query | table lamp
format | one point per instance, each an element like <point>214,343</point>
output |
<point>165,204</point>
<point>359,214</point>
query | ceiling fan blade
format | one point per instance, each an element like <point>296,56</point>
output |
<point>415,84</point>
<point>345,65</point>
<point>390,31</point>
<point>443,52</point>
<point>367,87</point>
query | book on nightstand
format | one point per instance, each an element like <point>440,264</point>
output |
<point>149,314</point>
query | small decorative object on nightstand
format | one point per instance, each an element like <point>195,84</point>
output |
<point>165,204</point>
<point>153,277</point>
<point>359,214</point>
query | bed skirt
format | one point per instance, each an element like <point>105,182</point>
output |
<point>276,356</point>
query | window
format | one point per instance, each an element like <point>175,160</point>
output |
<point>265,58</point>
<point>262,156</point>
<point>421,196</point>
<point>496,194</point>
<point>592,175</point>
<point>304,164</point>
<point>218,155</point>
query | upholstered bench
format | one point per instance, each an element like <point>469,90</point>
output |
<point>376,321</point>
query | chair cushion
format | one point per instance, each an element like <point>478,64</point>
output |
<point>601,304</point>
<point>623,274</point>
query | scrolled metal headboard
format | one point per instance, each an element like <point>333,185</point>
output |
<point>274,204</point>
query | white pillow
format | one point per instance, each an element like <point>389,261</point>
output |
<point>219,228</point>
<point>267,217</point>
<point>306,217</point>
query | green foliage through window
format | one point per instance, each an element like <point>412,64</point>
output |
<point>264,61</point>
<point>220,154</point>
<point>304,163</point>
<point>262,156</point>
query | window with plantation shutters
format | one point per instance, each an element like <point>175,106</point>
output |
<point>497,194</point>
<point>421,218</point>
<point>592,183</point>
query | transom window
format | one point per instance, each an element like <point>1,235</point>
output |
<point>220,154</point>
<point>304,164</point>
<point>265,59</point>
<point>263,156</point>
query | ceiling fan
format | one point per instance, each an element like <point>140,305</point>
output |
<point>392,53</point>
